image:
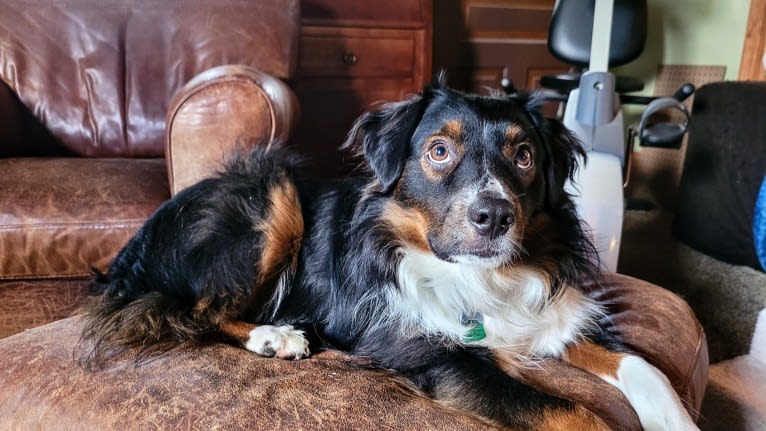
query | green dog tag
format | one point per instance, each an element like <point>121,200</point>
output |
<point>475,332</point>
<point>475,324</point>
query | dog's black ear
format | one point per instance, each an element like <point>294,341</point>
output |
<point>566,153</point>
<point>383,137</point>
<point>563,151</point>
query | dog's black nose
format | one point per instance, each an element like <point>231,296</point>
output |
<point>491,216</point>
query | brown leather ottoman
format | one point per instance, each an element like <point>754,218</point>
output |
<point>43,386</point>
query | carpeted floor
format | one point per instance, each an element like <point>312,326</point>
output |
<point>726,298</point>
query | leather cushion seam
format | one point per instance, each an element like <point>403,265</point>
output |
<point>52,226</point>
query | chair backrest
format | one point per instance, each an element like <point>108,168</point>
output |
<point>724,166</point>
<point>571,29</point>
<point>100,74</point>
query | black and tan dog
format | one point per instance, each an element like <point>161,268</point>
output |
<point>457,258</point>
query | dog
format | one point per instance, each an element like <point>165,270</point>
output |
<point>454,257</point>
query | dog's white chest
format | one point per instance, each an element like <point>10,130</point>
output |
<point>514,312</point>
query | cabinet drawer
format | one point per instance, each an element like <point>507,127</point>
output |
<point>359,54</point>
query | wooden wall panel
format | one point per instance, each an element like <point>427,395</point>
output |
<point>752,67</point>
<point>476,40</point>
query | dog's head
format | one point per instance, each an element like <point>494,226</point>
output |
<point>467,175</point>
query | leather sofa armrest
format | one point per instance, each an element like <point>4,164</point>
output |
<point>654,323</point>
<point>222,110</point>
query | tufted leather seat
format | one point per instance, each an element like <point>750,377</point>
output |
<point>85,90</point>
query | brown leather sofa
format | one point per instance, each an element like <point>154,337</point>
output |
<point>85,90</point>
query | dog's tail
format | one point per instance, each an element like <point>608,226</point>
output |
<point>214,253</point>
<point>119,318</point>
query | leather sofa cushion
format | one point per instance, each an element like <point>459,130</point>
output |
<point>99,74</point>
<point>62,216</point>
<point>225,387</point>
<point>218,387</point>
<point>25,304</point>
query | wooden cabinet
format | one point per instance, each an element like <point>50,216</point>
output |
<point>354,54</point>
<point>476,40</point>
<point>357,53</point>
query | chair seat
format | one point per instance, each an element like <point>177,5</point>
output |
<point>566,82</point>
<point>61,216</point>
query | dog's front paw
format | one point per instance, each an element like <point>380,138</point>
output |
<point>284,342</point>
<point>652,396</point>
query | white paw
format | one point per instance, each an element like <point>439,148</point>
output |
<point>284,342</point>
<point>652,397</point>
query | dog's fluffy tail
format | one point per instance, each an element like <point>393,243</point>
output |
<point>213,253</point>
<point>121,319</point>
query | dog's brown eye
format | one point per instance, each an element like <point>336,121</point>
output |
<point>523,157</point>
<point>439,152</point>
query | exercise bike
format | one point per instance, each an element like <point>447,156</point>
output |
<point>593,35</point>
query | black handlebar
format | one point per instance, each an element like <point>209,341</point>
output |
<point>627,99</point>
<point>684,92</point>
<point>681,94</point>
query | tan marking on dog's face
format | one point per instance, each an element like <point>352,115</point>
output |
<point>594,358</point>
<point>514,133</point>
<point>512,136</point>
<point>409,225</point>
<point>453,129</point>
<point>283,231</point>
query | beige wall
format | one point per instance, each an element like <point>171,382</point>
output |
<point>692,32</point>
